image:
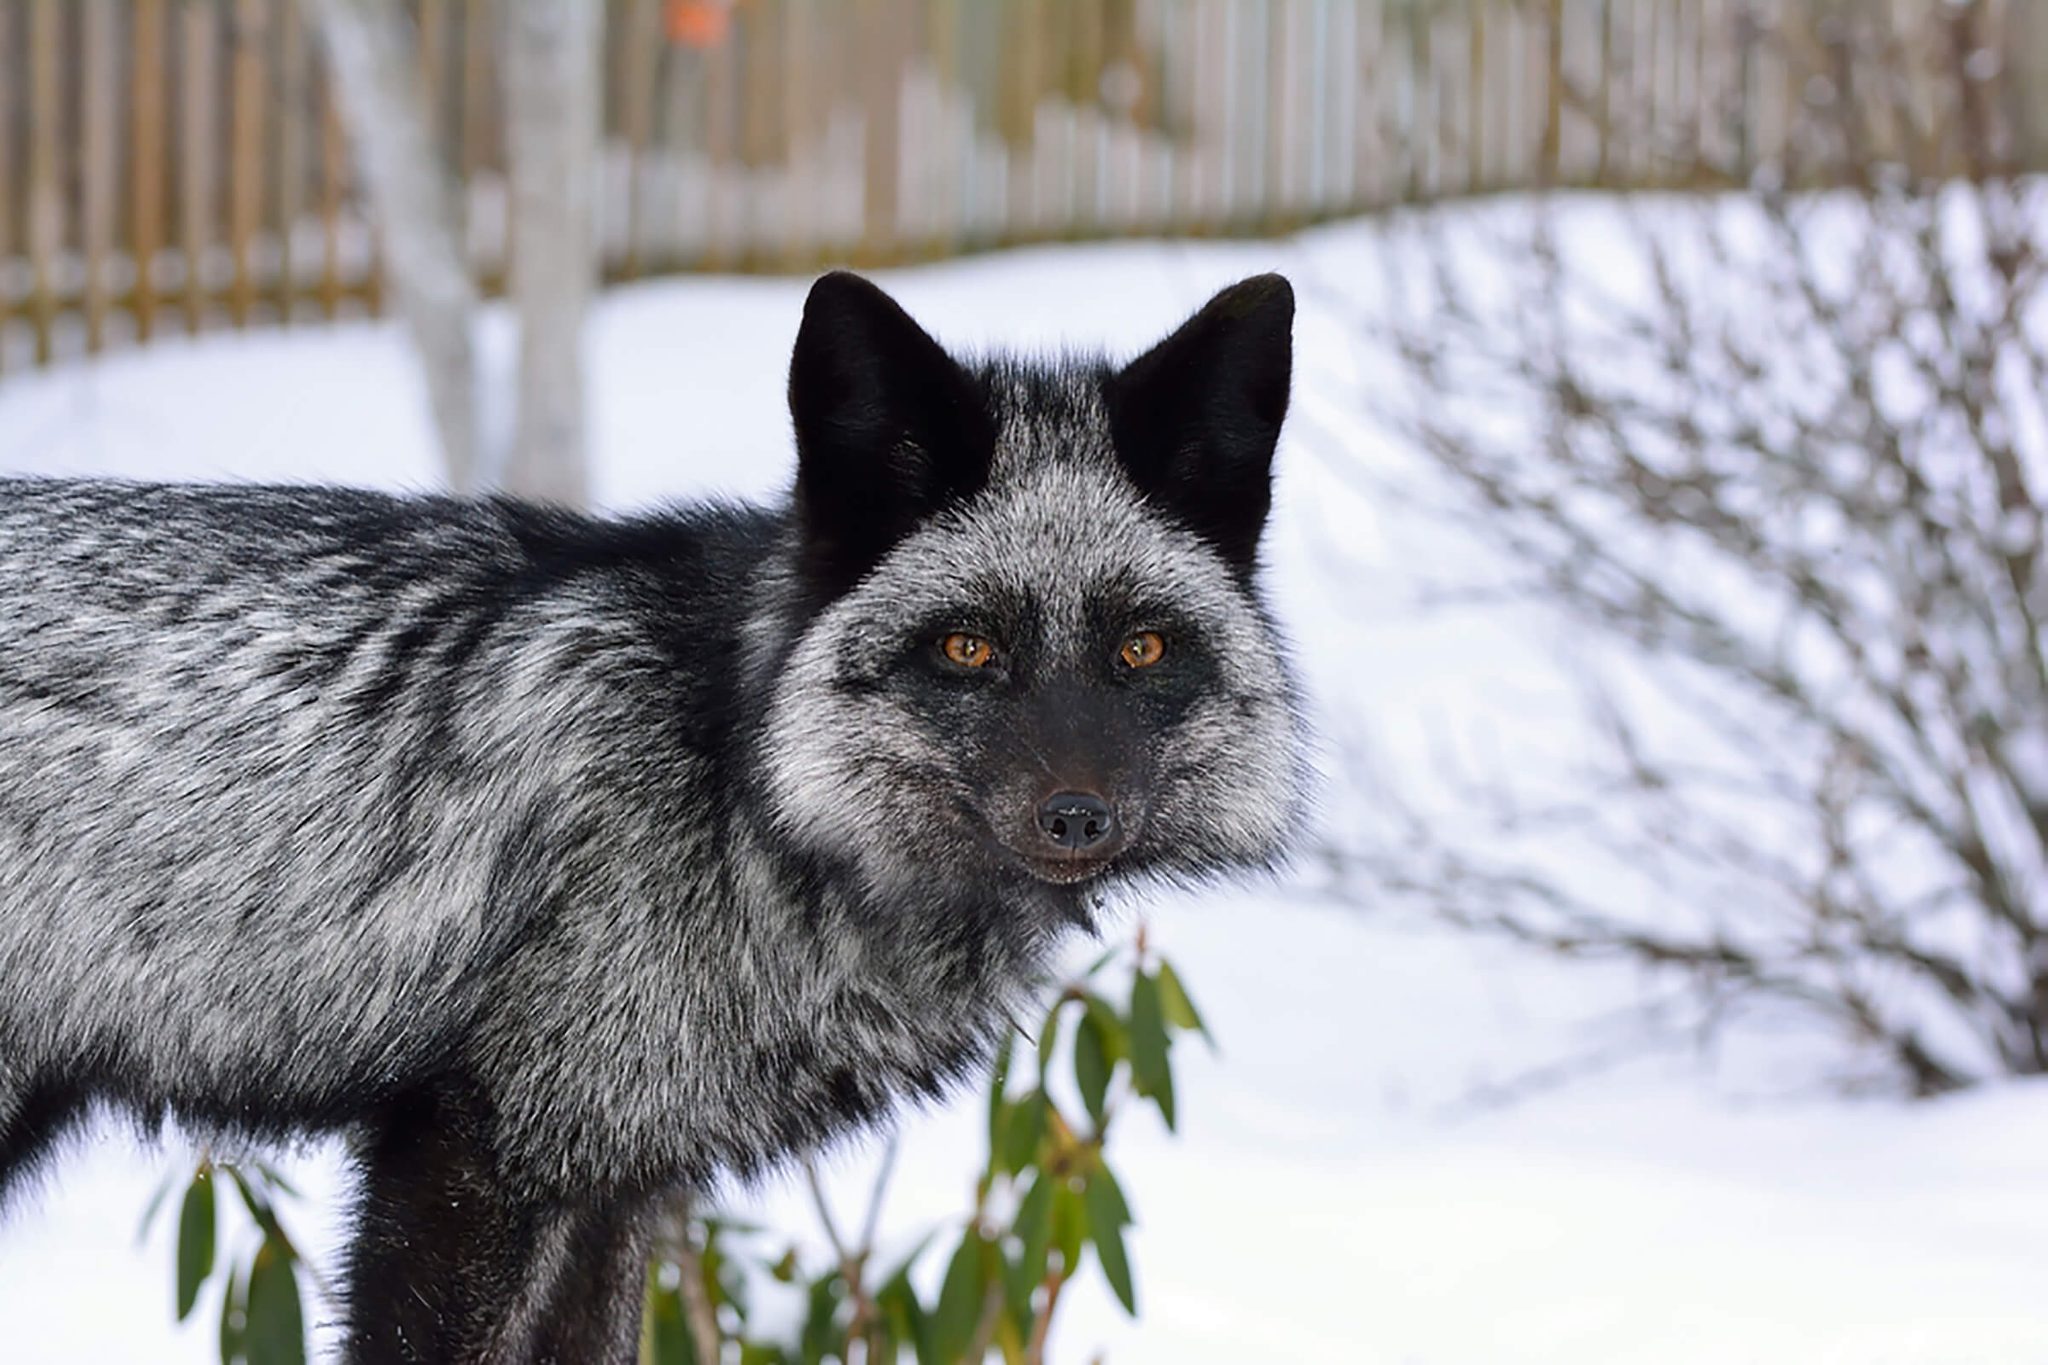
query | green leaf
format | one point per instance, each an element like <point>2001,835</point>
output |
<point>195,1239</point>
<point>276,1328</point>
<point>1049,1040</point>
<point>1162,1095</point>
<point>1018,1285</point>
<point>1106,1232</point>
<point>1108,1197</point>
<point>822,1335</point>
<point>1111,1026</point>
<point>897,1301</point>
<point>725,1282</point>
<point>668,1336</point>
<point>1069,1225</point>
<point>959,1306</point>
<point>999,1080</point>
<point>1091,1066</point>
<point>1180,1009</point>
<point>234,1296</point>
<point>1034,1228</point>
<point>1148,1036</point>
<point>1025,1131</point>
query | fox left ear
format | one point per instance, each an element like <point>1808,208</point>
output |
<point>1195,418</point>
<point>889,429</point>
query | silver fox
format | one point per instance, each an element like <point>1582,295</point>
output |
<point>564,862</point>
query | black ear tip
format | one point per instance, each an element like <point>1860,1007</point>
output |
<point>1268,295</point>
<point>839,292</point>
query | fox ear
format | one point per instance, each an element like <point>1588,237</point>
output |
<point>1196,417</point>
<point>888,429</point>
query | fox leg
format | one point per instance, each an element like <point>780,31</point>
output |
<point>446,1271</point>
<point>589,1289</point>
<point>437,1248</point>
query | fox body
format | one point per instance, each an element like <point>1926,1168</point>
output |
<point>563,862</point>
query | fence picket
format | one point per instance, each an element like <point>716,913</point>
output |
<point>784,134</point>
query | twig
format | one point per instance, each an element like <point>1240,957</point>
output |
<point>1034,1351</point>
<point>697,1310</point>
<point>985,1328</point>
<point>873,1222</point>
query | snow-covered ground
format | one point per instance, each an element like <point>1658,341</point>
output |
<point>1343,1189</point>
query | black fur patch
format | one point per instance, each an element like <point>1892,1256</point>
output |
<point>889,429</point>
<point>1196,417</point>
<point>28,1137</point>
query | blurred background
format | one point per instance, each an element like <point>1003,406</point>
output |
<point>175,165</point>
<point>1659,524</point>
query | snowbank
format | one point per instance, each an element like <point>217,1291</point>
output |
<point>1342,1190</point>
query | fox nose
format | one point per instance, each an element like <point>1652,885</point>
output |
<point>1076,820</point>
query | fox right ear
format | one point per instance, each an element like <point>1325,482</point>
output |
<point>1196,418</point>
<point>889,429</point>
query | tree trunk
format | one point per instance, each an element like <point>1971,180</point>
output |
<point>371,59</point>
<point>551,99</point>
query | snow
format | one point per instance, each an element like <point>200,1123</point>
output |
<point>1350,1183</point>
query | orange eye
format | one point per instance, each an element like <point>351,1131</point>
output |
<point>1143,649</point>
<point>968,651</point>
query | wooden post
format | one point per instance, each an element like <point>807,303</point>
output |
<point>639,53</point>
<point>245,153</point>
<point>333,157</point>
<point>805,116</point>
<point>1023,72</point>
<point>761,134</point>
<point>7,46</point>
<point>1368,151</point>
<point>944,32</point>
<point>195,133</point>
<point>720,140</point>
<point>1603,99</point>
<point>1550,159</point>
<point>1281,168</point>
<point>1425,136</point>
<point>1083,99</point>
<point>882,65</point>
<point>432,54</point>
<point>45,175</point>
<point>293,74</point>
<point>97,181</point>
<point>146,158</point>
<point>1479,154</point>
<point>479,25</point>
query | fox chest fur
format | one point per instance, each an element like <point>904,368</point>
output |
<point>562,861</point>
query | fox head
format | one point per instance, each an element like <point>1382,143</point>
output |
<point>1030,649</point>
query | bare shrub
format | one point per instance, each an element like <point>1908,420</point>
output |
<point>1784,449</point>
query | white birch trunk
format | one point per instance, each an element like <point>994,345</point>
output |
<point>411,201</point>
<point>551,97</point>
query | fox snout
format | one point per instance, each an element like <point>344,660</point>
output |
<point>1073,835</point>
<point>1080,822</point>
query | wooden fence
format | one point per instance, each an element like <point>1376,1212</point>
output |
<point>178,164</point>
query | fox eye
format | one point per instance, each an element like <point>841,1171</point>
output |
<point>1143,649</point>
<point>968,651</point>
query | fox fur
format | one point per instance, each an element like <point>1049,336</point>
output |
<point>563,862</point>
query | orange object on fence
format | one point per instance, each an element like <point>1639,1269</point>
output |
<point>699,23</point>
